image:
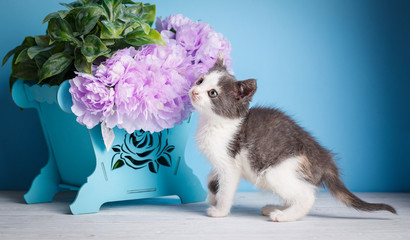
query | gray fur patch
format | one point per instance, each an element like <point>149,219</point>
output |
<point>271,137</point>
<point>213,186</point>
<point>234,97</point>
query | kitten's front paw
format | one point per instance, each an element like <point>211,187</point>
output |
<point>215,212</point>
<point>212,200</point>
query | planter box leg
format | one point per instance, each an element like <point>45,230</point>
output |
<point>85,203</point>
<point>189,189</point>
<point>45,186</point>
<point>91,196</point>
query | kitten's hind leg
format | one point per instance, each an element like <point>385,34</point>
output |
<point>297,194</point>
<point>299,206</point>
<point>266,210</point>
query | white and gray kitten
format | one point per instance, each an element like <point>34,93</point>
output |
<point>264,146</point>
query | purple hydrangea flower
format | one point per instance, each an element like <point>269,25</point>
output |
<point>200,40</point>
<point>155,97</point>
<point>173,22</point>
<point>148,88</point>
<point>144,89</point>
<point>115,67</point>
<point>92,100</point>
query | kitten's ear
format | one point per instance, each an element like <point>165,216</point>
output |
<point>245,89</point>
<point>220,62</point>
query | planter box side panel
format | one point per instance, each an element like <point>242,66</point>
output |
<point>70,143</point>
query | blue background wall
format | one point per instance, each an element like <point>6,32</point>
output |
<point>340,68</point>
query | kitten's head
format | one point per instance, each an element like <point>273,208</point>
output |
<point>219,93</point>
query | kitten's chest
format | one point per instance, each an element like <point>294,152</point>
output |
<point>214,138</point>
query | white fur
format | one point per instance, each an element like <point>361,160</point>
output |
<point>202,102</point>
<point>285,180</point>
<point>215,133</point>
<point>297,194</point>
<point>213,138</point>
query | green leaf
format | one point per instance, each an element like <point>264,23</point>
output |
<point>145,12</point>
<point>135,9</point>
<point>26,70</point>
<point>108,42</point>
<point>11,53</point>
<point>29,42</point>
<point>87,18</point>
<point>109,54</point>
<point>61,14</point>
<point>55,65</point>
<point>110,6</point>
<point>134,18</point>
<point>118,164</point>
<point>93,47</point>
<point>148,14</point>
<point>71,17</point>
<point>128,2</point>
<point>111,30</point>
<point>59,47</point>
<point>119,11</point>
<point>139,38</point>
<point>71,5</point>
<point>60,30</point>
<point>145,27</point>
<point>84,2</point>
<point>57,79</point>
<point>81,63</point>
<point>66,5</point>
<point>42,40</point>
<point>33,51</point>
<point>41,58</point>
<point>22,56</point>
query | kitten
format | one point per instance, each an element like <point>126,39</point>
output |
<point>264,146</point>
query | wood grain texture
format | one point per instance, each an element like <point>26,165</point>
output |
<point>166,218</point>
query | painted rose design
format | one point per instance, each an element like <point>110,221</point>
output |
<point>141,149</point>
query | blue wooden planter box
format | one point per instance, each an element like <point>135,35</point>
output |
<point>139,165</point>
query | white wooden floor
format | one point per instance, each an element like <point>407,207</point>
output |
<point>167,219</point>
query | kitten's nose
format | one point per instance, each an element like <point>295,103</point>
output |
<point>195,93</point>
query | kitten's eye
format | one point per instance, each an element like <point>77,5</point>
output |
<point>213,93</point>
<point>200,81</point>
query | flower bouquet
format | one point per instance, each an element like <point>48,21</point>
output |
<point>148,88</point>
<point>102,62</point>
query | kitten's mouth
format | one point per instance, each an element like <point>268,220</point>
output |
<point>193,97</point>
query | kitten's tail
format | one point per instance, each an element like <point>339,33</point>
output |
<point>339,190</point>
